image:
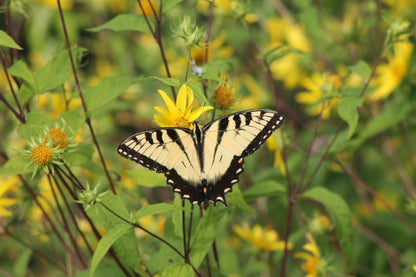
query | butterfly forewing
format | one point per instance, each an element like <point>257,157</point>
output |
<point>163,149</point>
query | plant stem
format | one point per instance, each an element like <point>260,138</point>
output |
<point>84,105</point>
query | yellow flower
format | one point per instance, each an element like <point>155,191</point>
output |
<point>6,184</point>
<point>288,68</point>
<point>414,268</point>
<point>179,114</point>
<point>389,75</point>
<point>224,96</point>
<point>59,138</point>
<point>41,155</point>
<point>148,8</point>
<point>320,224</point>
<point>318,94</point>
<point>275,145</point>
<point>263,239</point>
<point>313,263</point>
<point>216,49</point>
<point>65,4</point>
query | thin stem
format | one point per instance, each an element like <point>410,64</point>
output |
<point>286,237</point>
<point>70,213</point>
<point>48,219</point>
<point>35,251</point>
<point>185,249</point>
<point>191,215</point>
<point>81,96</point>
<point>65,223</point>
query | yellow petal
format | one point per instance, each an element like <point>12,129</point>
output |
<point>181,100</point>
<point>197,113</point>
<point>169,103</point>
<point>163,111</point>
<point>163,121</point>
<point>5,202</point>
<point>4,212</point>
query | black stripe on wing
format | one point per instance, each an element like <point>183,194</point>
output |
<point>134,147</point>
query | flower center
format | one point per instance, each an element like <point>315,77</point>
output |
<point>224,97</point>
<point>41,155</point>
<point>59,138</point>
<point>182,122</point>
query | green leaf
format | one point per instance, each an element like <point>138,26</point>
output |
<point>125,22</point>
<point>198,92</point>
<point>169,4</point>
<point>362,69</point>
<point>19,69</point>
<point>265,188</point>
<point>7,41</point>
<point>279,52</point>
<point>173,82</point>
<point>340,213</point>
<point>15,165</point>
<point>178,270</point>
<point>236,198</point>
<point>108,89</point>
<point>391,116</point>
<point>348,111</point>
<point>203,237</point>
<point>155,209</point>
<point>147,178</point>
<point>106,242</point>
<point>36,125</point>
<point>21,265</point>
<point>73,120</point>
<point>57,71</point>
<point>126,246</point>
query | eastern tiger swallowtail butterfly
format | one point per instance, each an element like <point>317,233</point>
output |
<point>202,165</point>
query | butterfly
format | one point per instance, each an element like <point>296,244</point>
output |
<point>203,164</point>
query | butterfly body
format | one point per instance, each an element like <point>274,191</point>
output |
<point>203,164</point>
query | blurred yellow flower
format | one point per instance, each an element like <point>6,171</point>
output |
<point>224,96</point>
<point>179,114</point>
<point>149,8</point>
<point>6,184</point>
<point>288,68</point>
<point>389,75</point>
<point>313,264</point>
<point>318,94</point>
<point>320,224</point>
<point>389,196</point>
<point>414,268</point>
<point>275,145</point>
<point>259,237</point>
<point>65,4</point>
<point>216,49</point>
<point>227,7</point>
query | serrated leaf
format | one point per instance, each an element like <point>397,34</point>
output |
<point>362,69</point>
<point>203,237</point>
<point>19,69</point>
<point>147,178</point>
<point>173,82</point>
<point>108,89</point>
<point>266,188</point>
<point>7,41</point>
<point>155,209</point>
<point>339,211</point>
<point>125,22</point>
<point>178,270</point>
<point>348,111</point>
<point>105,244</point>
